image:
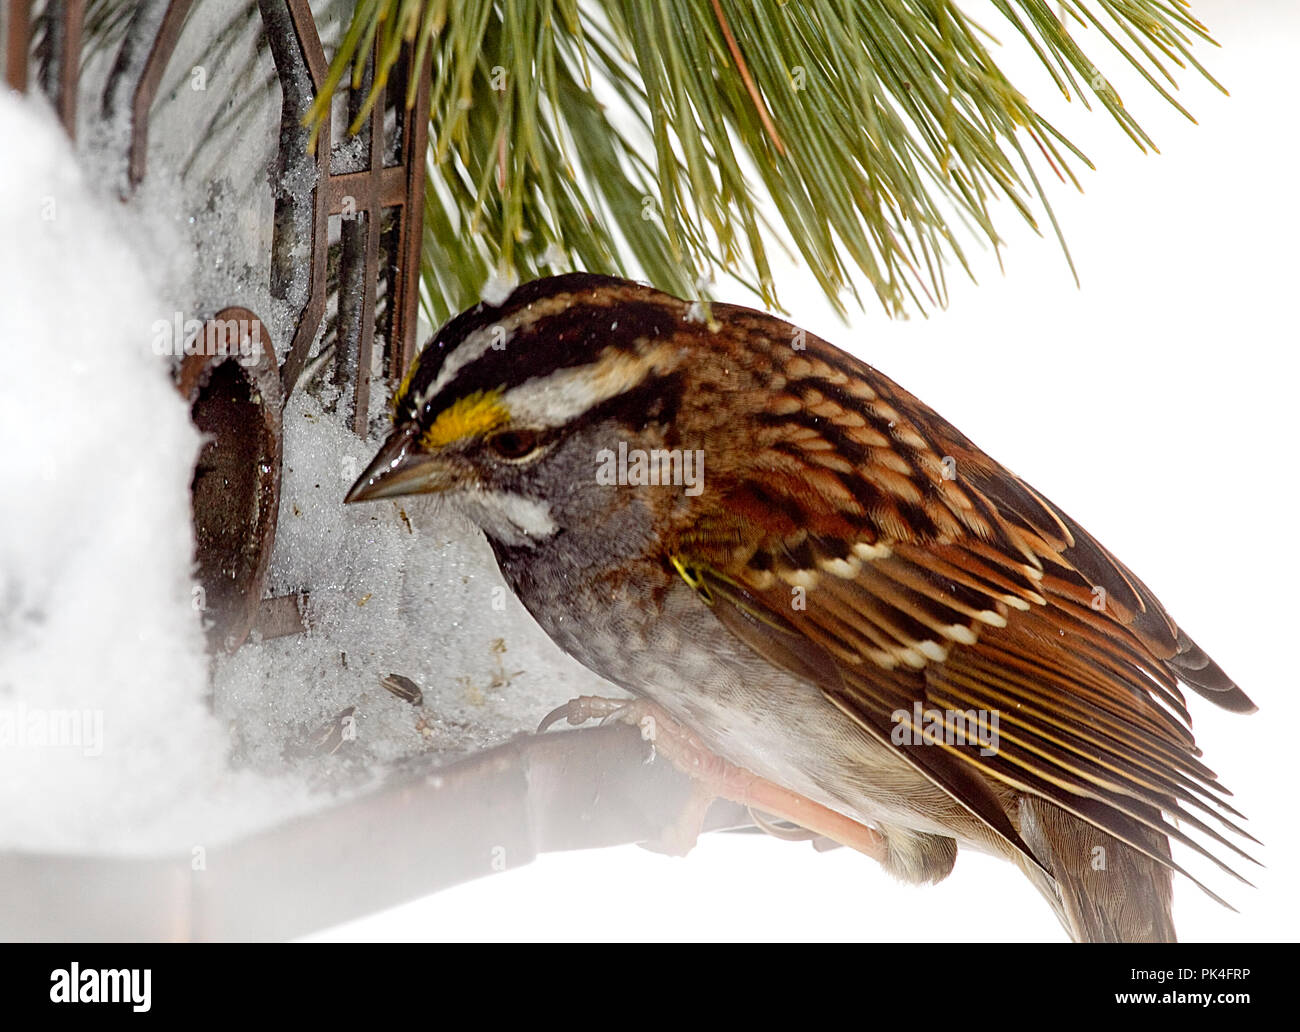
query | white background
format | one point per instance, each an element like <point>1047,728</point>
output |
<point>1156,404</point>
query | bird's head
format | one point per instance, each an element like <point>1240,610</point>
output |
<point>553,411</point>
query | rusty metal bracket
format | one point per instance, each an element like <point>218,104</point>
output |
<point>302,67</point>
<point>61,71</point>
<point>127,97</point>
<point>233,390</point>
<point>61,74</point>
<point>147,86</point>
<point>135,69</point>
<point>17,43</point>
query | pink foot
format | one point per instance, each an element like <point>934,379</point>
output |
<point>716,778</point>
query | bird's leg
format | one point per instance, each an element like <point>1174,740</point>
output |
<point>584,708</point>
<point>713,778</point>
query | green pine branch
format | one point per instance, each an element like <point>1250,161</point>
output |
<point>649,138</point>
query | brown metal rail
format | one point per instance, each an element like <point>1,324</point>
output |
<point>495,811</point>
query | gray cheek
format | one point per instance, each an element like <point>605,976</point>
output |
<point>566,477</point>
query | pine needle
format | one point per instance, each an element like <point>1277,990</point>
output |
<point>656,139</point>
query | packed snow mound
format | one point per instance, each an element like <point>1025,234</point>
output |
<point>102,673</point>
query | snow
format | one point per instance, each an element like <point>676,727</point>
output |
<point>499,285</point>
<point>100,640</point>
<point>396,588</point>
<point>96,620</point>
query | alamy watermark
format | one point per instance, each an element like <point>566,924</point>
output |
<point>657,467</point>
<point>73,984</point>
<point>26,727</point>
<point>240,339</point>
<point>950,727</point>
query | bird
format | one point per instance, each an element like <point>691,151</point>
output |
<point>813,577</point>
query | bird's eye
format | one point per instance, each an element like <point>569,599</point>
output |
<point>514,444</point>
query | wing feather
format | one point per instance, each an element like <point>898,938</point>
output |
<point>901,585</point>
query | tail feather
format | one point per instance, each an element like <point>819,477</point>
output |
<point>1101,889</point>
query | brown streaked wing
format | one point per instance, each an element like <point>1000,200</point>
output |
<point>772,637</point>
<point>1091,714</point>
<point>924,572</point>
<point>1088,720</point>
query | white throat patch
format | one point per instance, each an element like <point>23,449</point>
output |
<point>510,518</point>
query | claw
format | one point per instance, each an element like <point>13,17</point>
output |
<point>784,830</point>
<point>584,708</point>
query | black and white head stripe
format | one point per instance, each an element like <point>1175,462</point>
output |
<point>552,350</point>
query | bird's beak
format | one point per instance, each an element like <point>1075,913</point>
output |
<point>401,468</point>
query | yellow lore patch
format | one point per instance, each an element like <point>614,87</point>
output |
<point>471,416</point>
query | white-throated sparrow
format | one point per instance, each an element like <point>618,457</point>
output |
<point>824,581</point>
